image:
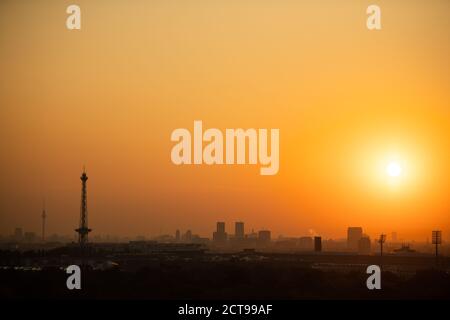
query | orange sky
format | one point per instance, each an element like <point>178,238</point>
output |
<point>346,101</point>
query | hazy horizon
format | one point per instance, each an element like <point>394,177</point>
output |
<point>347,102</point>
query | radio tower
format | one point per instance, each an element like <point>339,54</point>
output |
<point>83,230</point>
<point>44,216</point>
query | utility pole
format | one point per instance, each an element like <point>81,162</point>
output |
<point>436,236</point>
<point>381,241</point>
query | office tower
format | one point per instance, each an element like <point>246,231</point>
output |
<point>354,234</point>
<point>264,237</point>
<point>18,234</point>
<point>30,237</point>
<point>394,237</point>
<point>177,236</point>
<point>318,244</point>
<point>305,243</point>
<point>364,245</point>
<point>239,230</point>
<point>220,235</point>
<point>188,236</point>
<point>220,227</point>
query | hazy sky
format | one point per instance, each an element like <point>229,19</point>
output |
<point>347,101</point>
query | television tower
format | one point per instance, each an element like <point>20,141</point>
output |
<point>83,230</point>
<point>44,216</point>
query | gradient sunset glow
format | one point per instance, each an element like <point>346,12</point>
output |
<point>363,115</point>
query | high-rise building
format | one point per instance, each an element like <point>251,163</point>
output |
<point>264,237</point>
<point>30,237</point>
<point>394,237</point>
<point>318,244</point>
<point>220,235</point>
<point>354,234</point>
<point>364,245</point>
<point>18,234</point>
<point>239,230</point>
<point>305,243</point>
<point>188,236</point>
<point>220,227</point>
<point>177,236</point>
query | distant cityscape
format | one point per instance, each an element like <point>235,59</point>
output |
<point>356,241</point>
<point>184,264</point>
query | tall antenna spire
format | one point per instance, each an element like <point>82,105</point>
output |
<point>44,216</point>
<point>83,229</point>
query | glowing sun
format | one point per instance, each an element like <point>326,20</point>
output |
<point>393,169</point>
